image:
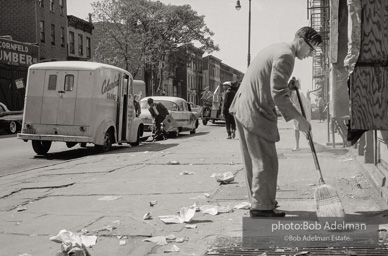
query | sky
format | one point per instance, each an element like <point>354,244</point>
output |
<point>272,21</point>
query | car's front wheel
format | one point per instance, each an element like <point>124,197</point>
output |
<point>13,127</point>
<point>41,147</point>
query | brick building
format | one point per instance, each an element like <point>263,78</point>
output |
<point>44,25</point>
<point>188,79</point>
<point>43,22</point>
<point>211,67</point>
<point>80,43</point>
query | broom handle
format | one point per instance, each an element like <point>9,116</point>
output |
<point>310,139</point>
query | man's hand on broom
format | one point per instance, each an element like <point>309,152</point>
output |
<point>293,84</point>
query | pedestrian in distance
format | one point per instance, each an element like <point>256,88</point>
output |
<point>265,84</point>
<point>158,112</point>
<point>321,110</point>
<point>230,123</point>
<point>306,105</point>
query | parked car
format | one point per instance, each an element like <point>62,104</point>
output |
<point>11,121</point>
<point>178,108</point>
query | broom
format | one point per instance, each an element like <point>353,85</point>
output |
<point>326,198</point>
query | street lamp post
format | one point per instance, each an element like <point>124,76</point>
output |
<point>238,7</point>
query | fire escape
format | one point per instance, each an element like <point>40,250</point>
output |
<point>318,12</point>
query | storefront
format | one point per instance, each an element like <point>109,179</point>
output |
<point>15,58</point>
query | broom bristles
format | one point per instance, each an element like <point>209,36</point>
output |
<point>328,202</point>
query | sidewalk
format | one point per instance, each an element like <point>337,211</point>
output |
<point>109,194</point>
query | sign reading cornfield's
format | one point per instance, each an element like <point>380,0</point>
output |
<point>17,53</point>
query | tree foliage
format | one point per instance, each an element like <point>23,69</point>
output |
<point>134,34</point>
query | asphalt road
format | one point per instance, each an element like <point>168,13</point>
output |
<point>17,156</point>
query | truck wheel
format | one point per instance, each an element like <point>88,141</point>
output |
<point>41,147</point>
<point>213,121</point>
<point>13,127</point>
<point>108,139</point>
<point>193,131</point>
<point>204,122</point>
<point>139,134</point>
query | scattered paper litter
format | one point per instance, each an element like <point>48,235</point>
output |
<point>225,177</point>
<point>180,240</point>
<point>170,237</point>
<point>174,162</point>
<point>21,208</point>
<point>173,248</point>
<point>191,226</point>
<point>207,195</point>
<point>209,209</point>
<point>109,198</point>
<point>159,240</point>
<point>186,214</point>
<point>224,209</point>
<point>243,205</point>
<point>147,216</point>
<point>65,236</point>
<point>187,173</point>
<point>152,203</point>
<point>122,242</point>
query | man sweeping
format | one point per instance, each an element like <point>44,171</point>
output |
<point>265,85</point>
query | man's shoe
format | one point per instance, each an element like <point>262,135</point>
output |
<point>266,213</point>
<point>229,138</point>
<point>233,134</point>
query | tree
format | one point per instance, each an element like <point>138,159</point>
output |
<point>148,34</point>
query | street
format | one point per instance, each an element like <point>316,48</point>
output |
<point>108,195</point>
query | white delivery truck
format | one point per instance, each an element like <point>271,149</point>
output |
<point>79,102</point>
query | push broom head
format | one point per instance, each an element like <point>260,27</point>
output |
<point>328,202</point>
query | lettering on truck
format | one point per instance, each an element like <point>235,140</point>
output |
<point>107,86</point>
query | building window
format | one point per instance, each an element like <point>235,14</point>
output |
<point>52,34</point>
<point>61,8</point>
<point>52,5</point>
<point>71,39</point>
<point>41,3</point>
<point>62,37</point>
<point>88,48</point>
<point>80,45</point>
<point>42,35</point>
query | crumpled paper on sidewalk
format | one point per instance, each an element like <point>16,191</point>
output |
<point>186,214</point>
<point>243,205</point>
<point>163,240</point>
<point>74,244</point>
<point>223,178</point>
<point>215,209</point>
<point>174,248</point>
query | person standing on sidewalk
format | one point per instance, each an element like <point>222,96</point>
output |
<point>307,109</point>
<point>158,112</point>
<point>229,118</point>
<point>265,84</point>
